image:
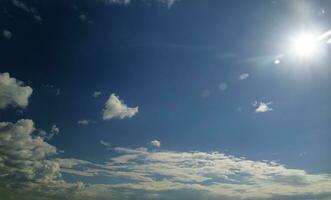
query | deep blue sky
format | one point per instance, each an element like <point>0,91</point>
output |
<point>170,62</point>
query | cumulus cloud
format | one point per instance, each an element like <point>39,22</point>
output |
<point>115,108</point>
<point>96,94</point>
<point>262,107</point>
<point>24,156</point>
<point>7,34</point>
<point>243,76</point>
<point>156,143</point>
<point>13,92</point>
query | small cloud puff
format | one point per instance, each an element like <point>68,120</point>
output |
<point>156,143</point>
<point>243,76</point>
<point>262,107</point>
<point>83,122</point>
<point>223,86</point>
<point>115,108</point>
<point>12,92</point>
<point>96,94</point>
<point>7,34</point>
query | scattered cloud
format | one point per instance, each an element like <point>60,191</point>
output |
<point>262,107</point>
<point>13,92</point>
<point>7,34</point>
<point>48,136</point>
<point>27,9</point>
<point>243,76</point>
<point>223,86</point>
<point>156,143</point>
<point>115,108</point>
<point>208,175</point>
<point>96,94</point>
<point>30,169</point>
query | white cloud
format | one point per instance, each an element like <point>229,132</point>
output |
<point>25,156</point>
<point>243,76</point>
<point>223,86</point>
<point>212,174</point>
<point>262,107</point>
<point>96,94</point>
<point>83,122</point>
<point>13,92</point>
<point>156,143</point>
<point>7,34</point>
<point>115,108</point>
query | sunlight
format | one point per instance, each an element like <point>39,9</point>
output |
<point>305,45</point>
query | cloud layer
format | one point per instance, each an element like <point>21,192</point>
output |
<point>13,92</point>
<point>115,108</point>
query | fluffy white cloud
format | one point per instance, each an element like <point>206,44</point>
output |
<point>115,108</point>
<point>156,143</point>
<point>25,8</point>
<point>7,34</point>
<point>96,94</point>
<point>13,92</point>
<point>243,76</point>
<point>24,156</point>
<point>262,107</point>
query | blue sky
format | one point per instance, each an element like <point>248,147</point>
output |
<point>165,99</point>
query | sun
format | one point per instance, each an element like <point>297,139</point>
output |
<point>305,45</point>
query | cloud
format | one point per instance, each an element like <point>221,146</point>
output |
<point>48,136</point>
<point>208,175</point>
<point>168,3</point>
<point>243,76</point>
<point>23,156</point>
<point>13,92</point>
<point>96,94</point>
<point>83,122</point>
<point>262,107</point>
<point>156,143</point>
<point>104,143</point>
<point>223,86</point>
<point>115,108</point>
<point>7,34</point>
<point>27,9</point>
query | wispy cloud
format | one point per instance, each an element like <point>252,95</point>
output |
<point>115,108</point>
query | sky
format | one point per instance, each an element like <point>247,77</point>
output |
<point>165,99</point>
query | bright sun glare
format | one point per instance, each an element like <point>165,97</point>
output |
<point>305,45</point>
